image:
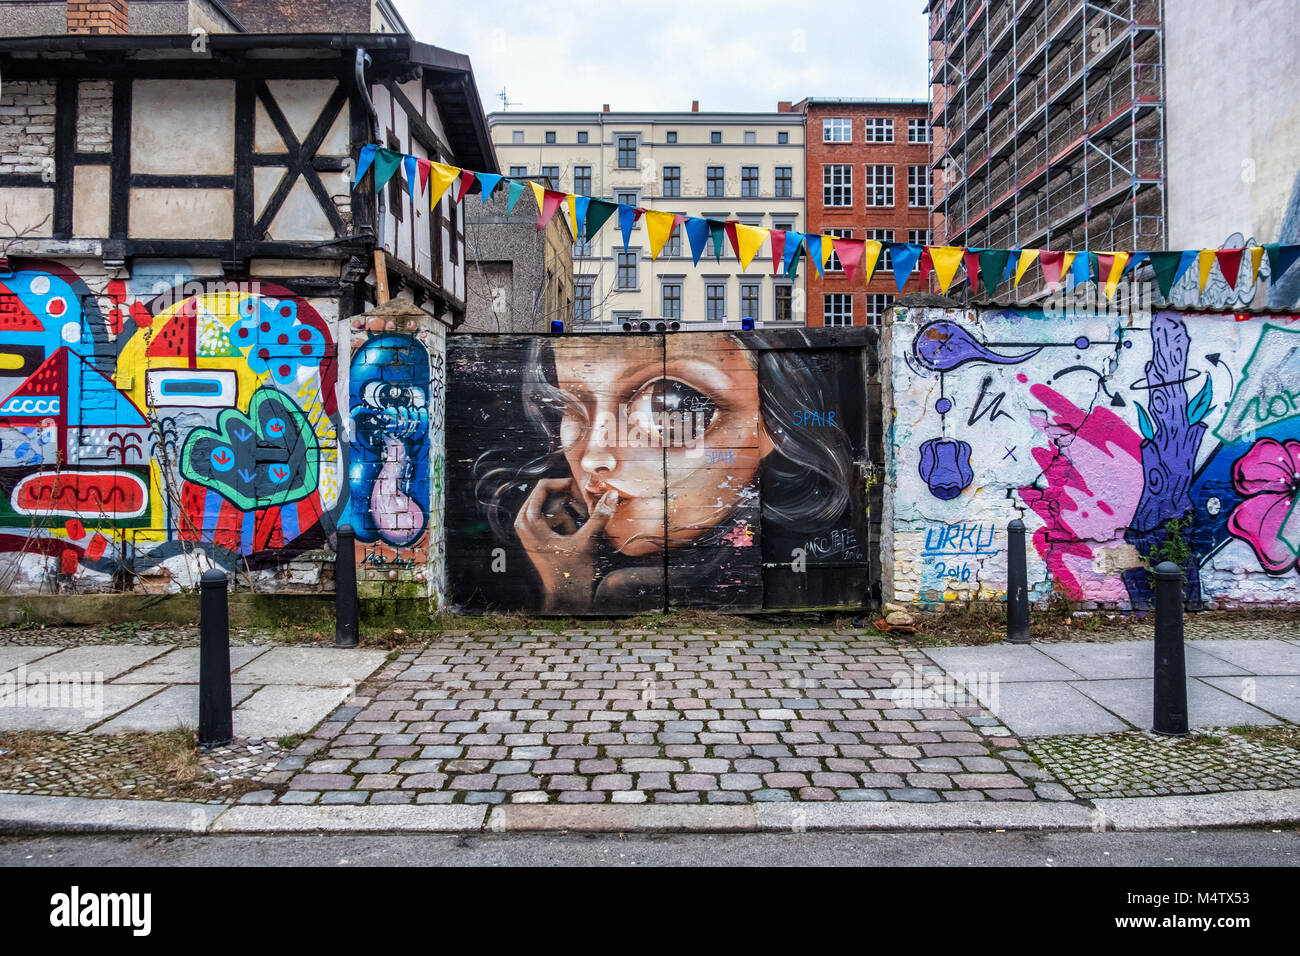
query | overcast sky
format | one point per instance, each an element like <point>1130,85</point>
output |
<point>660,55</point>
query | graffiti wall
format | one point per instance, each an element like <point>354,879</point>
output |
<point>1118,441</point>
<point>154,426</point>
<point>616,474</point>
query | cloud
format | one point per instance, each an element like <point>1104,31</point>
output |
<point>661,56</point>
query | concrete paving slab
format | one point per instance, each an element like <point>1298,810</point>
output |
<point>1119,659</point>
<point>622,818</point>
<point>282,709</point>
<point>1235,808</point>
<point>110,660</point>
<point>311,666</point>
<point>280,819</point>
<point>85,815</point>
<point>1269,657</point>
<point>897,815</point>
<point>68,718</point>
<point>1042,708</point>
<point>181,666</point>
<point>1207,706</point>
<point>177,706</point>
<point>1011,662</point>
<point>1277,695</point>
<point>12,657</point>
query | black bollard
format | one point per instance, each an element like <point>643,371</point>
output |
<point>1017,585</point>
<point>216,725</point>
<point>346,630</point>
<point>1171,669</point>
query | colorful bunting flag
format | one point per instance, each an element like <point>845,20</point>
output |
<point>717,231</point>
<point>1111,264</point>
<point>1135,260</point>
<point>659,226</point>
<point>778,250</point>
<point>904,256</point>
<point>411,170</point>
<point>1205,262</point>
<point>1052,264</point>
<point>1026,259</point>
<point>598,213</point>
<point>971,259</point>
<point>1256,256</point>
<point>793,241</point>
<point>749,239</point>
<point>730,227</point>
<point>993,265</point>
<point>1080,269</point>
<point>466,181</point>
<point>441,176</point>
<point>516,189</point>
<point>1230,264</point>
<point>363,161</point>
<point>626,220</point>
<point>850,252</point>
<point>487,184</point>
<point>923,267</point>
<point>697,234</point>
<point>873,248</point>
<point>945,260</point>
<point>1280,259</point>
<point>422,166</point>
<point>813,242</point>
<point>387,162</point>
<point>1169,268</point>
<point>548,202</point>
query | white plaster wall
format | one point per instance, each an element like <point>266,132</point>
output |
<point>183,127</point>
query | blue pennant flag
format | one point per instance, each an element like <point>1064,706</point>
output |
<point>793,242</point>
<point>905,256</point>
<point>1012,261</point>
<point>580,204</point>
<point>1080,268</point>
<point>516,190</point>
<point>364,160</point>
<point>488,182</point>
<point>813,241</point>
<point>412,173</point>
<point>697,233</point>
<point>626,219</point>
<point>1134,261</point>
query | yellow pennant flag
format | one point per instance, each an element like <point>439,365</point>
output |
<point>1116,270</point>
<point>539,193</point>
<point>1066,261</point>
<point>1256,254</point>
<point>1027,257</point>
<point>1205,261</point>
<point>869,263</point>
<point>570,208</point>
<point>749,239</point>
<point>659,226</point>
<point>828,250</point>
<point>946,259</point>
<point>440,177</point>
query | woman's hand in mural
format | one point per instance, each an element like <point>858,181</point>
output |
<point>561,546</point>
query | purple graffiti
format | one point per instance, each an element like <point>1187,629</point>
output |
<point>943,346</point>
<point>945,467</point>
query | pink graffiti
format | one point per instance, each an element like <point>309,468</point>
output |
<point>739,537</point>
<point>1093,475</point>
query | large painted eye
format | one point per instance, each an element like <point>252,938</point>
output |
<point>680,412</point>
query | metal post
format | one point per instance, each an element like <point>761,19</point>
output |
<point>1017,585</point>
<point>1171,669</point>
<point>346,630</point>
<point>216,725</point>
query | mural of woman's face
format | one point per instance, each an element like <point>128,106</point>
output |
<point>691,417</point>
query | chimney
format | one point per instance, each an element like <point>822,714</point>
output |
<point>606,107</point>
<point>785,106</point>
<point>97,16</point>
<point>695,106</point>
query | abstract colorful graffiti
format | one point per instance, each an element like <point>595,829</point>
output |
<point>1120,441</point>
<point>147,432</point>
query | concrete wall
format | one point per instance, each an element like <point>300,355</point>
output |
<point>1114,438</point>
<point>1233,128</point>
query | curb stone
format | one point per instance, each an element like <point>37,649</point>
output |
<point>1233,808</point>
<point>23,812</point>
<point>980,815</point>
<point>609,818</point>
<point>428,818</point>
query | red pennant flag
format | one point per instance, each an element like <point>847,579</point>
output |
<point>466,180</point>
<point>1051,263</point>
<point>850,252</point>
<point>550,203</point>
<point>971,257</point>
<point>778,249</point>
<point>730,227</point>
<point>924,264</point>
<point>423,166</point>
<point>1230,264</point>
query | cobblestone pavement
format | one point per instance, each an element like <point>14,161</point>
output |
<point>1141,764</point>
<point>596,717</point>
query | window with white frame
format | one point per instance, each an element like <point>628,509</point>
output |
<point>672,300</point>
<point>918,131</point>
<point>750,307</point>
<point>625,278</point>
<point>837,185</point>
<point>833,264</point>
<point>627,152</point>
<point>837,129</point>
<point>877,305</point>
<point>784,182</point>
<point>715,301</point>
<point>582,180</point>
<point>672,181</point>
<point>918,187</point>
<point>879,185</point>
<point>879,130</point>
<point>749,181</point>
<point>582,301</point>
<point>783,302</point>
<point>715,181</point>
<point>884,237</point>
<point>837,309</point>
<point>919,237</point>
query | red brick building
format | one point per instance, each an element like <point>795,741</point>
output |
<point>867,164</point>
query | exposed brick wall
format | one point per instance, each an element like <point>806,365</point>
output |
<point>97,16</point>
<point>95,116</point>
<point>26,126</point>
<point>302,16</point>
<point>859,217</point>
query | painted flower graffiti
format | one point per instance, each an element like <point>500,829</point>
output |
<point>1268,518</point>
<point>945,467</point>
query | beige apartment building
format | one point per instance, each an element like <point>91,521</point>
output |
<point>743,166</point>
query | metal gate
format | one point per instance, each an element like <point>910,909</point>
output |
<point>614,474</point>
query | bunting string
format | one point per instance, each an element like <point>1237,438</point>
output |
<point>586,215</point>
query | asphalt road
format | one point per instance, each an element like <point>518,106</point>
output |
<point>1213,848</point>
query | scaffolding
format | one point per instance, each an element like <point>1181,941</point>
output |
<point>1048,121</point>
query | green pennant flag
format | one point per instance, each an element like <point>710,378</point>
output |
<point>1280,259</point>
<point>598,213</point>
<point>1168,267</point>
<point>718,233</point>
<point>792,271</point>
<point>387,162</point>
<point>993,265</point>
<point>515,191</point>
